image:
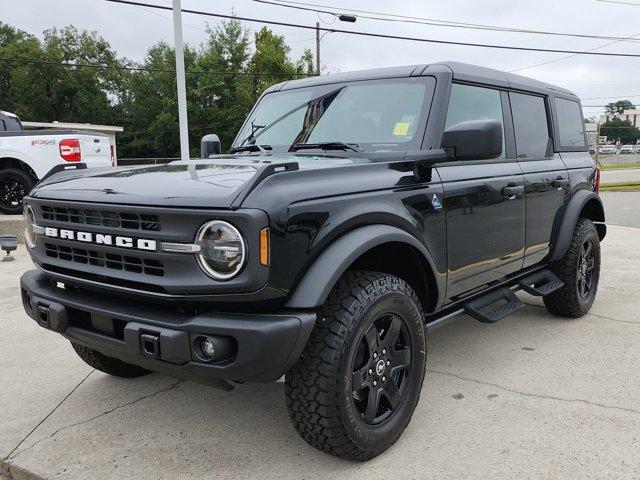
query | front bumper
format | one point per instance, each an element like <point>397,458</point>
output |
<point>262,346</point>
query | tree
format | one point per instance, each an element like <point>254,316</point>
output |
<point>224,76</point>
<point>618,107</point>
<point>620,130</point>
<point>37,86</point>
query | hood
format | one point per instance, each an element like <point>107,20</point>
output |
<point>219,182</point>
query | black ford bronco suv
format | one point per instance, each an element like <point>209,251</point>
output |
<point>353,214</point>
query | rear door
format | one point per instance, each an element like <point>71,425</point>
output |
<point>545,175</point>
<point>484,200</point>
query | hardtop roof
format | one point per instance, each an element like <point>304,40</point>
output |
<point>461,71</point>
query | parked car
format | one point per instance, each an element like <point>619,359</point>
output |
<point>26,156</point>
<point>627,149</point>
<point>608,149</point>
<point>355,213</point>
<point>593,150</point>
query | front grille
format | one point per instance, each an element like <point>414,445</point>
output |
<point>106,260</point>
<point>113,219</point>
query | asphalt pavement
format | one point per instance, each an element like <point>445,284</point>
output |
<point>626,175</point>
<point>622,208</point>
<point>533,396</point>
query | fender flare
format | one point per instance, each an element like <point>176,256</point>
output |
<point>314,288</point>
<point>571,214</point>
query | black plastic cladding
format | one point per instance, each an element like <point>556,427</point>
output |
<point>181,275</point>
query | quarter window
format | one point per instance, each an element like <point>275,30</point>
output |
<point>570,123</point>
<point>474,103</point>
<point>531,125</point>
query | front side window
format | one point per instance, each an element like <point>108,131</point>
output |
<point>2,126</point>
<point>570,123</point>
<point>474,103</point>
<point>531,125</point>
<point>377,115</point>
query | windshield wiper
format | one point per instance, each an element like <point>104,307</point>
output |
<point>251,148</point>
<point>354,147</point>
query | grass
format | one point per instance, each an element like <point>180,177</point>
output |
<point>620,187</point>
<point>619,166</point>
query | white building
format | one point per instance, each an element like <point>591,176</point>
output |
<point>632,115</point>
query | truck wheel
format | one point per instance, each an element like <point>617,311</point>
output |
<point>14,186</point>
<point>579,269</point>
<point>357,383</point>
<point>109,365</point>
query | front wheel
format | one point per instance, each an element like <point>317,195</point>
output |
<point>579,269</point>
<point>14,186</point>
<point>358,381</point>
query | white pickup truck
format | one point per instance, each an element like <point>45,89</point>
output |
<point>26,156</point>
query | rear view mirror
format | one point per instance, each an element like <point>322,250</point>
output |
<point>210,145</point>
<point>474,139</point>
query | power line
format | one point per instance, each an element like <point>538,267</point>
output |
<point>620,97</point>
<point>378,35</point>
<point>147,69</point>
<point>389,17</point>
<point>618,2</point>
<point>569,56</point>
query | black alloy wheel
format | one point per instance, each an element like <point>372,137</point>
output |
<point>586,266</point>
<point>14,186</point>
<point>381,369</point>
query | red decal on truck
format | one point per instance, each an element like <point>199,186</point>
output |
<point>43,142</point>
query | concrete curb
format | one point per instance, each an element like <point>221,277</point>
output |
<point>12,225</point>
<point>11,472</point>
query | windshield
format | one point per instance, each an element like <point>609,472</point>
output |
<point>376,115</point>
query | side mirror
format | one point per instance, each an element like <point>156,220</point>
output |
<point>474,139</point>
<point>210,145</point>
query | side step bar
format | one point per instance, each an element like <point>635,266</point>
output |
<point>494,306</point>
<point>507,304</point>
<point>541,283</point>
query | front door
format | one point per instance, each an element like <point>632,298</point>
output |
<point>484,201</point>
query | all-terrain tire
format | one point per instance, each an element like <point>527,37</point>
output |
<point>568,301</point>
<point>319,389</point>
<point>109,365</point>
<point>14,185</point>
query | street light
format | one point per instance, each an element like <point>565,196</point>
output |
<point>343,17</point>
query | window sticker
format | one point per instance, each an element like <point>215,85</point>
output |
<point>401,129</point>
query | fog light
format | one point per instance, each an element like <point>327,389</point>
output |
<point>207,348</point>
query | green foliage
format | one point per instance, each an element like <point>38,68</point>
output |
<point>618,107</point>
<point>622,130</point>
<point>144,101</point>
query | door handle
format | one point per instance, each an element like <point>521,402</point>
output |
<point>560,182</point>
<point>512,192</point>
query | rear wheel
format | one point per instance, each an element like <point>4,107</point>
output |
<point>353,391</point>
<point>109,365</point>
<point>14,186</point>
<point>579,269</point>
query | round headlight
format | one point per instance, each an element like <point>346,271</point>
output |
<point>29,226</point>
<point>222,251</point>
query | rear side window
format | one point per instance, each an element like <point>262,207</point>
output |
<point>531,125</point>
<point>12,124</point>
<point>570,123</point>
<point>474,103</point>
<point>2,127</point>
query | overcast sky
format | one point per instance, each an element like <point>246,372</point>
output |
<point>131,30</point>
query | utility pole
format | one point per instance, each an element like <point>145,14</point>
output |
<point>182,87</point>
<point>317,48</point>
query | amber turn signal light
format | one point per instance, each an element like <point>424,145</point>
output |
<point>264,247</point>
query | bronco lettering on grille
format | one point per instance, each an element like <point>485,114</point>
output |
<point>101,239</point>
